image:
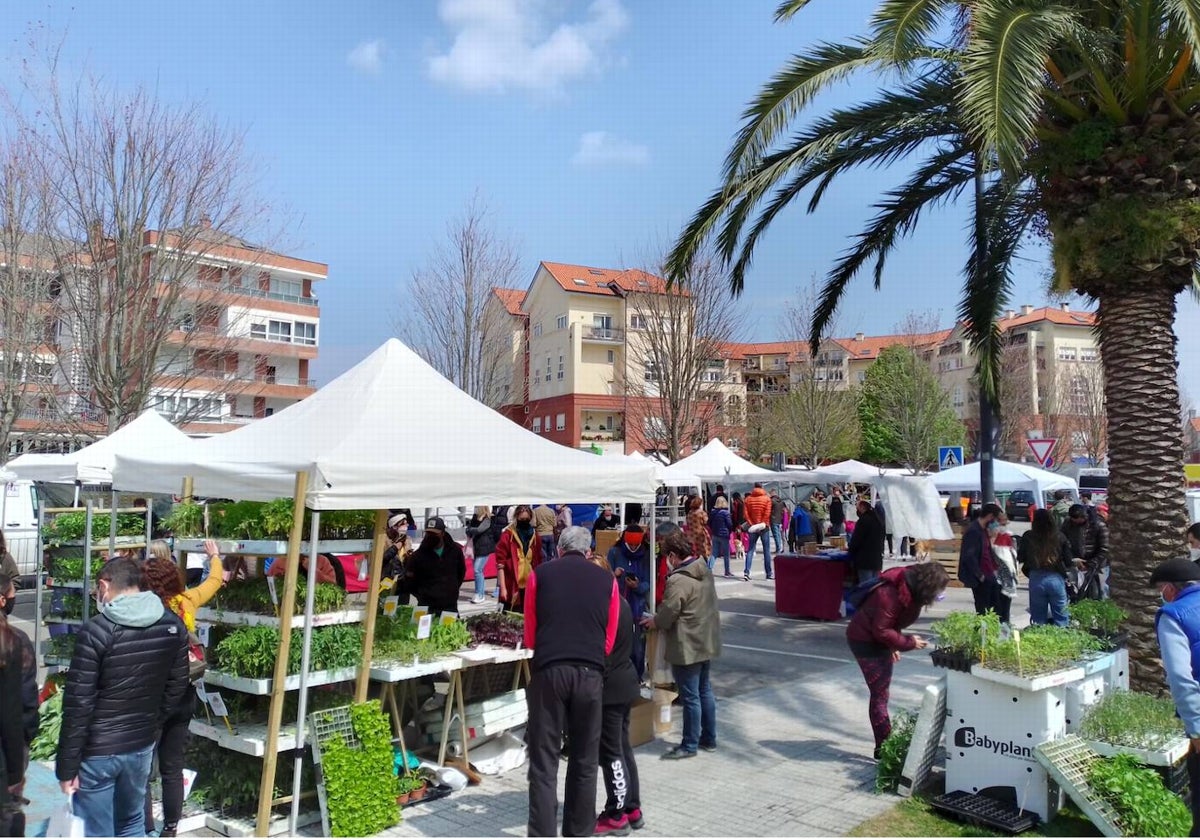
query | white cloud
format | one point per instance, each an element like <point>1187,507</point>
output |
<point>502,45</point>
<point>599,148</point>
<point>367,57</point>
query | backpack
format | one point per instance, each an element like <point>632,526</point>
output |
<point>197,659</point>
<point>858,593</point>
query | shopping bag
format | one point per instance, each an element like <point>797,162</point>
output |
<point>64,823</point>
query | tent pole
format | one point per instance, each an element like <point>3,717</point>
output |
<point>287,608</point>
<point>377,549</point>
<point>112,521</point>
<point>310,592</point>
<point>75,500</point>
<point>39,575</point>
<point>87,559</point>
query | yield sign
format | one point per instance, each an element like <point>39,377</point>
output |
<point>1042,447</point>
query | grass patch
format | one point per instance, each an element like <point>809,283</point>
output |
<point>916,818</point>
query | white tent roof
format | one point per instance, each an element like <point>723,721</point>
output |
<point>671,476</point>
<point>715,461</point>
<point>94,464</point>
<point>857,471</point>
<point>6,475</point>
<point>389,432</point>
<point>913,507</point>
<point>1008,477</point>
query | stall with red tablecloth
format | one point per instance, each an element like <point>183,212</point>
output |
<point>810,586</point>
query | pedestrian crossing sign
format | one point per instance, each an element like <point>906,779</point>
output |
<point>950,457</point>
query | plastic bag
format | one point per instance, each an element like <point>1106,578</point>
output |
<point>64,823</point>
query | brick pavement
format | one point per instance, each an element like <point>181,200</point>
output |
<point>794,761</point>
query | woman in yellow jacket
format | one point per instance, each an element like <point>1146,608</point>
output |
<point>162,576</point>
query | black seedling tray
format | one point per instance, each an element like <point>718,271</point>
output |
<point>432,794</point>
<point>983,810</point>
<point>951,659</point>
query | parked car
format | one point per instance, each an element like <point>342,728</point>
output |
<point>1020,505</point>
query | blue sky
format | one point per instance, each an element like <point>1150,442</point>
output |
<point>592,128</point>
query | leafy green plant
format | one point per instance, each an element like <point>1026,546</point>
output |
<point>967,633</point>
<point>186,519</point>
<point>72,605</point>
<point>360,785</point>
<point>65,527</point>
<point>1041,649</point>
<point>450,637</point>
<point>254,596</point>
<point>251,652</point>
<point>1143,804</point>
<point>228,781</point>
<point>45,743</point>
<point>1129,719</point>
<point>396,640</point>
<point>1103,617</point>
<point>893,751</point>
<point>62,647</point>
<point>67,567</point>
<point>276,519</point>
<point>236,520</point>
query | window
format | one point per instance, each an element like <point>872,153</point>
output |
<point>547,422</point>
<point>256,330</point>
<point>286,288</point>
<point>655,427</point>
<point>1089,354</point>
<point>958,396</point>
<point>651,371</point>
<point>279,331</point>
<point>608,422</point>
<point>560,368</point>
<point>537,424</point>
<point>560,422</point>
<point>547,377</point>
<point>1080,395</point>
<point>1066,354</point>
<point>862,376</point>
<point>537,330</point>
<point>209,273</point>
<point>40,371</point>
<point>637,321</point>
<point>612,356</point>
<point>560,323</point>
<point>306,333</point>
<point>579,281</point>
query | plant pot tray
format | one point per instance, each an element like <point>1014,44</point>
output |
<point>493,655</point>
<point>270,548</point>
<point>250,685</point>
<point>57,619</point>
<point>244,619</point>
<point>1170,755</point>
<point>55,583</point>
<point>393,672</point>
<point>952,660</point>
<point>1029,683</point>
<point>432,794</point>
<point>247,738</point>
<point>56,661</point>
<point>1068,760</point>
<point>983,810</point>
<point>102,544</point>
<point>229,826</point>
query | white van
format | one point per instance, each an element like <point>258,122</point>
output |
<point>19,519</point>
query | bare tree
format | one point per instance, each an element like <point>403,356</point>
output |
<point>677,356</point>
<point>450,323</point>
<point>1017,412</point>
<point>1075,411</point>
<point>149,207</point>
<point>1187,416</point>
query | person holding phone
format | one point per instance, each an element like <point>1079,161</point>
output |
<point>629,560</point>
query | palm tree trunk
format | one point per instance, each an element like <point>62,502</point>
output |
<point>1146,491</point>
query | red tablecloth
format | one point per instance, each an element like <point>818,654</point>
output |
<point>809,587</point>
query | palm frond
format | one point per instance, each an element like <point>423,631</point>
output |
<point>785,95</point>
<point>1186,14</point>
<point>1003,70</point>
<point>788,8</point>
<point>901,29</point>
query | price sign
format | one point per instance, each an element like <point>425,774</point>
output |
<point>363,568</point>
<point>217,704</point>
<point>449,618</point>
<point>419,613</point>
<point>200,691</point>
<point>202,633</point>
<point>389,606</point>
<point>271,589</point>
<point>424,626</point>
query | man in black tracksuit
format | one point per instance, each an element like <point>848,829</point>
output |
<point>572,608</point>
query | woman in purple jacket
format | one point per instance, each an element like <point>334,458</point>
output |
<point>720,525</point>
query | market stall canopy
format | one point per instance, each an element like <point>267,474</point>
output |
<point>858,472</point>
<point>7,475</point>
<point>819,475</point>
<point>913,507</point>
<point>94,464</point>
<point>389,432</point>
<point>716,462</point>
<point>671,476</point>
<point>1008,477</point>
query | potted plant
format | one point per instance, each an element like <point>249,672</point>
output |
<point>1100,618</point>
<point>417,788</point>
<point>962,638</point>
<point>1041,649</point>
<point>1138,724</point>
<point>404,787</point>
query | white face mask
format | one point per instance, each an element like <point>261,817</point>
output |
<point>1195,553</point>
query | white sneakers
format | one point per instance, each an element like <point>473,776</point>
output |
<point>478,599</point>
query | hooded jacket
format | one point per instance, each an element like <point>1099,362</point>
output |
<point>688,616</point>
<point>720,524</point>
<point>633,563</point>
<point>874,629</point>
<point>436,580</point>
<point>129,672</point>
<point>758,507</point>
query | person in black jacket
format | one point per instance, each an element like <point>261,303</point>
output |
<point>837,515</point>
<point>866,543</point>
<point>623,808</point>
<point>479,532</point>
<point>129,671</point>
<point>29,685</point>
<point>976,566</point>
<point>13,752</point>
<point>436,570</point>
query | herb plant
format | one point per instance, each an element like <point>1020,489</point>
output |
<point>67,568</point>
<point>360,785</point>
<point>1129,719</point>
<point>504,629</point>
<point>1103,617</point>
<point>396,640</point>
<point>251,651</point>
<point>893,752</point>
<point>62,646</point>
<point>65,527</point>
<point>254,596</point>
<point>1042,649</point>
<point>45,744</point>
<point>186,519</point>
<point>1143,804</point>
<point>967,633</point>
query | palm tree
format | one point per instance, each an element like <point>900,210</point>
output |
<point>1087,115</point>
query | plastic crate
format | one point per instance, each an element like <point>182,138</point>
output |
<point>1068,760</point>
<point>976,809</point>
<point>482,681</point>
<point>1177,780</point>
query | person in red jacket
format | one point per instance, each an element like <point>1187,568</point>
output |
<point>518,553</point>
<point>875,636</point>
<point>758,518</point>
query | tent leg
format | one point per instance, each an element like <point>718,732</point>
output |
<point>377,549</point>
<point>305,659</point>
<point>287,609</point>
<point>112,522</point>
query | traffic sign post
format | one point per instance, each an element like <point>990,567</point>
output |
<point>950,457</point>
<point>1041,448</point>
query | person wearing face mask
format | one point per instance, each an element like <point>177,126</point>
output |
<point>1177,625</point>
<point>129,671</point>
<point>1193,541</point>
<point>437,569</point>
<point>28,695</point>
<point>629,560</point>
<point>518,553</point>
<point>1045,558</point>
<point>1004,550</point>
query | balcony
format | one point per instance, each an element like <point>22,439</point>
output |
<point>266,295</point>
<point>606,335</point>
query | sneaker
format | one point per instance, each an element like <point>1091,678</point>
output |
<point>677,753</point>
<point>770,577</point>
<point>608,826</point>
<point>634,817</point>
<point>478,599</point>
<point>709,747</point>
<point>729,574</point>
<point>876,753</point>
<point>746,576</point>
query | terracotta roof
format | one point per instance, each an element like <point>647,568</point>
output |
<point>511,299</point>
<point>1053,314</point>
<point>598,281</point>
<point>1195,424</point>
<point>870,346</point>
<point>793,349</point>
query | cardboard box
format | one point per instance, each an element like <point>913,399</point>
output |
<point>641,722</point>
<point>662,711</point>
<point>606,540</point>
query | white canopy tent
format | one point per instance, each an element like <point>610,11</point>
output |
<point>94,464</point>
<point>716,462</point>
<point>819,475</point>
<point>389,432</point>
<point>669,475</point>
<point>914,508</point>
<point>1008,477</point>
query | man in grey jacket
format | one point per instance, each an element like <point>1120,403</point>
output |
<point>691,626</point>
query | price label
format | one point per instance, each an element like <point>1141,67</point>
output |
<point>200,691</point>
<point>217,704</point>
<point>449,618</point>
<point>424,626</point>
<point>363,568</point>
<point>419,613</point>
<point>390,605</point>
<point>202,633</point>
<point>271,589</point>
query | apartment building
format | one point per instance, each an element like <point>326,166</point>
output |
<point>582,375</point>
<point>246,329</point>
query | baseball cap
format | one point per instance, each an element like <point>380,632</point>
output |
<point>397,520</point>
<point>1179,570</point>
<point>435,523</point>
